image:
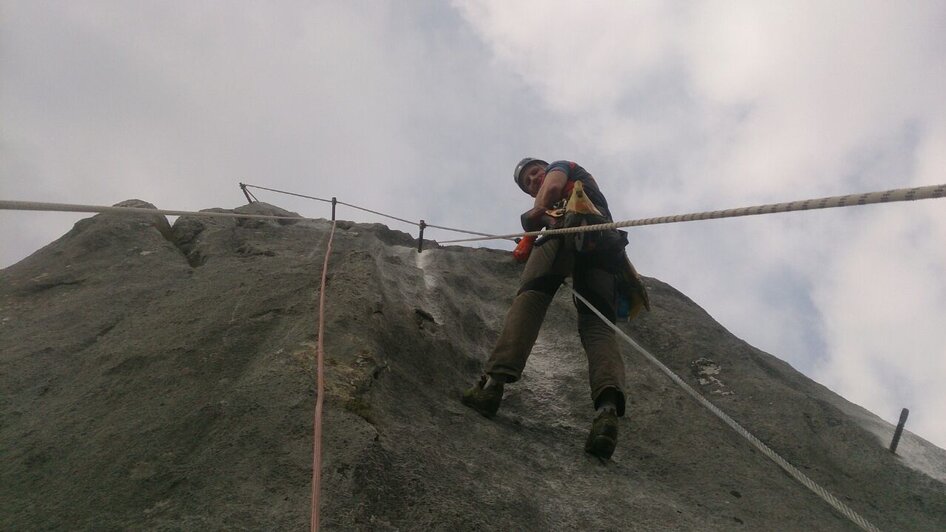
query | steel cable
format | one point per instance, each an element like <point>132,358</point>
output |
<point>459,230</point>
<point>379,213</point>
<point>288,193</point>
<point>102,209</point>
<point>464,231</point>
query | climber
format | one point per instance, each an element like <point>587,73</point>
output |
<point>566,195</point>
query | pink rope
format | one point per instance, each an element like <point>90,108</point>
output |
<point>317,437</point>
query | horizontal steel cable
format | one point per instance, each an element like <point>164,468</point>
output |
<point>756,442</point>
<point>904,194</point>
<point>850,200</point>
<point>69,207</point>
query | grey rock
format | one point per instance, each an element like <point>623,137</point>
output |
<point>165,379</point>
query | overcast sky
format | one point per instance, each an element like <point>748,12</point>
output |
<point>421,110</point>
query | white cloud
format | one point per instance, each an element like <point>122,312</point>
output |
<point>568,49</point>
<point>884,301</point>
<point>822,81</point>
<point>176,103</point>
<point>139,101</point>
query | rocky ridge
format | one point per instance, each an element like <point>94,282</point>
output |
<point>162,376</point>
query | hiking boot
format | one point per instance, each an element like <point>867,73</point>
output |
<point>604,435</point>
<point>484,399</point>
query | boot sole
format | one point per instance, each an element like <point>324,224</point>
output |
<point>601,446</point>
<point>476,407</point>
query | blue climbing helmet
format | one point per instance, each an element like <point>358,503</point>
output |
<point>517,174</point>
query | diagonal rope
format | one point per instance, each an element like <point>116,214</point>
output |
<point>850,200</point>
<point>756,442</point>
<point>317,422</point>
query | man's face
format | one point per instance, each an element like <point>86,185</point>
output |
<point>532,177</point>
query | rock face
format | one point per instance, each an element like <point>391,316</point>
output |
<point>157,377</point>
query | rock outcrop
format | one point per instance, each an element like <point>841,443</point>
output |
<point>163,378</point>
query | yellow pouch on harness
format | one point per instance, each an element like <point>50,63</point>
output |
<point>579,211</point>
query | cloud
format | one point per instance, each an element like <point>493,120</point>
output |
<point>884,302</point>
<point>568,49</point>
<point>176,103</point>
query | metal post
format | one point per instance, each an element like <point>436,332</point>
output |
<point>420,242</point>
<point>334,201</point>
<point>896,435</point>
<point>245,193</point>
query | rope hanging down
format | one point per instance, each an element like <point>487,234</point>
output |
<point>784,464</point>
<point>320,366</point>
<point>850,200</point>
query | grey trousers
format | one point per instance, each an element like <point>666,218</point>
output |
<point>547,267</point>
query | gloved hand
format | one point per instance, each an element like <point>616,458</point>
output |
<point>523,249</point>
